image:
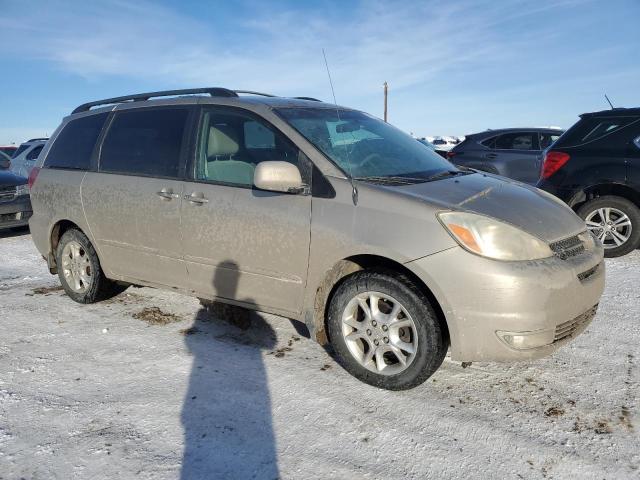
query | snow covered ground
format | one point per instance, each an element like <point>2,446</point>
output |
<point>94,392</point>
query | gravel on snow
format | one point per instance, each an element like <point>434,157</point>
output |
<point>109,391</point>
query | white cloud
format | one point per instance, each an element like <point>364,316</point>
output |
<point>401,42</point>
<point>276,50</point>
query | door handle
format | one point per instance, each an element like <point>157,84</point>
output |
<point>167,194</point>
<point>491,156</point>
<point>196,198</point>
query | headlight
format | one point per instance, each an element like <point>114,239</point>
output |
<point>22,190</point>
<point>493,239</point>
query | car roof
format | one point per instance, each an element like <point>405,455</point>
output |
<point>616,112</point>
<point>210,95</point>
<point>499,131</point>
<point>34,141</point>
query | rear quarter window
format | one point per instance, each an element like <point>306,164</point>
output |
<point>74,145</point>
<point>590,129</point>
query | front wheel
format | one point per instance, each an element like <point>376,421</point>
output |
<point>384,331</point>
<point>615,221</point>
<point>80,272</point>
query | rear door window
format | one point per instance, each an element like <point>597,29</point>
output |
<point>145,142</point>
<point>74,145</point>
<point>517,141</point>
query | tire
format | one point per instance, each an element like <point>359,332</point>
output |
<point>420,330</point>
<point>617,206</point>
<point>93,286</point>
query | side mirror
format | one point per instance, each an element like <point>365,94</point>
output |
<point>276,176</point>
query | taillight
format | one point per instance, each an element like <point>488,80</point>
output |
<point>553,161</point>
<point>33,174</point>
<point>451,154</point>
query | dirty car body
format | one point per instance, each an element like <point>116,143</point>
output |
<point>325,215</point>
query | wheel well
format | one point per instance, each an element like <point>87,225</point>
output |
<point>602,190</point>
<point>56,234</point>
<point>356,263</point>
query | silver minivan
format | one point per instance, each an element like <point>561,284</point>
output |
<point>319,213</point>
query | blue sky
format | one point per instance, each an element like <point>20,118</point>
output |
<point>453,67</point>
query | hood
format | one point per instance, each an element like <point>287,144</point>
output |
<point>525,207</point>
<point>10,179</point>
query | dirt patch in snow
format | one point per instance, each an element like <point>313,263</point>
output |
<point>155,316</point>
<point>554,412</point>
<point>46,290</point>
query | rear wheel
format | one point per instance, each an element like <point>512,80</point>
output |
<point>615,221</point>
<point>384,331</point>
<point>80,272</point>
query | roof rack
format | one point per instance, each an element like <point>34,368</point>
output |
<point>249,92</point>
<point>37,139</point>
<point>140,97</point>
<point>214,92</point>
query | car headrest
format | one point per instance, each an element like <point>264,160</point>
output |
<point>223,140</point>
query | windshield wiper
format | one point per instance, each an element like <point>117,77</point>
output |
<point>392,180</point>
<point>444,174</point>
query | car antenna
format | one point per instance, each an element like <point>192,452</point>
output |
<point>354,190</point>
<point>605,96</point>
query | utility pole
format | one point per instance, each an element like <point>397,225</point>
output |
<point>386,93</point>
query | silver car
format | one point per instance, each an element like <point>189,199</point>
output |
<point>318,213</point>
<point>26,156</point>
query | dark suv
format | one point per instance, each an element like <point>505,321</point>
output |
<point>595,168</point>
<point>511,152</point>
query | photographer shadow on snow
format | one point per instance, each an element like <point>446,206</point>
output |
<point>226,414</point>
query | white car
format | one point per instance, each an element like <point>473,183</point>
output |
<point>443,144</point>
<point>25,157</point>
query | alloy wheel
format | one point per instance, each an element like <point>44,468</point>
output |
<point>379,333</point>
<point>611,226</point>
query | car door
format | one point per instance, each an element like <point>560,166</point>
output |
<point>241,244</point>
<point>516,155</point>
<point>132,203</point>
<point>633,158</point>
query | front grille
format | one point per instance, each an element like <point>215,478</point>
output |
<point>8,217</point>
<point>567,248</point>
<point>567,329</point>
<point>7,193</point>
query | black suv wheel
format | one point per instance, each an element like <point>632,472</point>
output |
<point>615,221</point>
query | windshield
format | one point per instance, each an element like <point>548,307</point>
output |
<point>363,146</point>
<point>20,149</point>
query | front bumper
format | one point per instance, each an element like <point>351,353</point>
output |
<point>16,212</point>
<point>505,311</point>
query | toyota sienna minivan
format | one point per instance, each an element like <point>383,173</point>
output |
<point>315,212</point>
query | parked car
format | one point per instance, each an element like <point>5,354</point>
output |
<point>595,168</point>
<point>15,207</point>
<point>443,144</point>
<point>511,152</point>
<point>8,150</point>
<point>25,157</point>
<point>319,213</point>
<point>431,146</point>
<point>5,161</point>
